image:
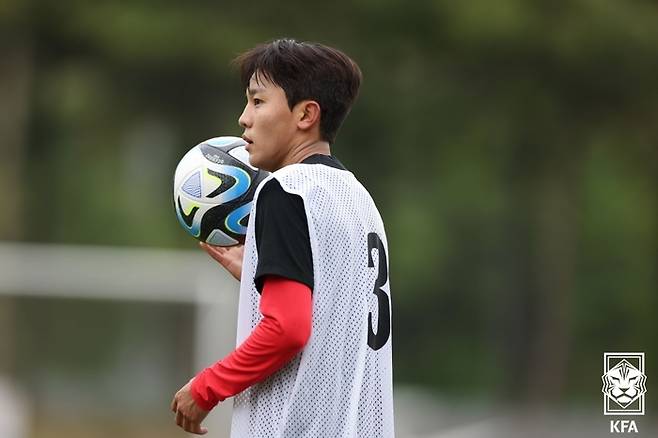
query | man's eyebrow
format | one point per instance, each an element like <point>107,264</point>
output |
<point>252,91</point>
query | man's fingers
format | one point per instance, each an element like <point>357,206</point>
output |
<point>174,404</point>
<point>212,248</point>
<point>195,428</point>
<point>179,418</point>
<point>229,257</point>
<point>198,429</point>
<point>216,252</point>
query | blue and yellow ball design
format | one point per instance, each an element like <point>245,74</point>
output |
<point>214,187</point>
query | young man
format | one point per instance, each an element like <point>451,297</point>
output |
<point>314,339</point>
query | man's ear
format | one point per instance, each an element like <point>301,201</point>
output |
<point>308,114</point>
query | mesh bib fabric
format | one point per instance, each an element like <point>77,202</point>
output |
<point>338,386</point>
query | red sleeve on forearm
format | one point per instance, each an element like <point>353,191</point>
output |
<point>282,333</point>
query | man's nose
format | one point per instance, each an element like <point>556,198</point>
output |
<point>243,120</point>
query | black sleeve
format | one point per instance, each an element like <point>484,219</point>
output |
<point>282,239</point>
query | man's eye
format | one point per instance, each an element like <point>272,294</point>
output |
<point>257,101</point>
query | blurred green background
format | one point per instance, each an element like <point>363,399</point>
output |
<point>512,148</point>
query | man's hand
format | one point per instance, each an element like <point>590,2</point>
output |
<point>229,257</point>
<point>188,414</point>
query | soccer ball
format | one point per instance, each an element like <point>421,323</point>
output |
<point>214,187</point>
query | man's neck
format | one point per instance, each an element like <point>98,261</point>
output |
<point>305,150</point>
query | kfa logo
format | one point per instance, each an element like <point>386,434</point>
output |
<point>623,426</point>
<point>623,388</point>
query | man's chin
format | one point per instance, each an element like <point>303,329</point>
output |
<point>257,163</point>
<point>253,160</point>
<point>263,161</point>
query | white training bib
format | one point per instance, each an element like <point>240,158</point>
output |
<point>340,385</point>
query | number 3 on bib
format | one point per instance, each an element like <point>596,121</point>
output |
<point>378,340</point>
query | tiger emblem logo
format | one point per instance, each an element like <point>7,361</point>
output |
<point>624,383</point>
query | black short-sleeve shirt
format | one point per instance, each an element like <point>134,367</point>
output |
<point>282,238</point>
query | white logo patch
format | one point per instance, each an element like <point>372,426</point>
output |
<point>623,384</point>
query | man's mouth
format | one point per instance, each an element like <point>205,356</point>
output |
<point>247,139</point>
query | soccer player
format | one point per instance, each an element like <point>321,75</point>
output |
<point>314,323</point>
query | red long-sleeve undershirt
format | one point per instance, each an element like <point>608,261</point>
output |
<point>287,308</point>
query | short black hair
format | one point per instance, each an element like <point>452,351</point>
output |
<point>306,71</point>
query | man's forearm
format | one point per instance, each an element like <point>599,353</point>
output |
<point>287,308</point>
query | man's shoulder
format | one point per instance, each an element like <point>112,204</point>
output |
<point>271,190</point>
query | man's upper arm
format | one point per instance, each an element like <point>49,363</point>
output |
<point>282,236</point>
